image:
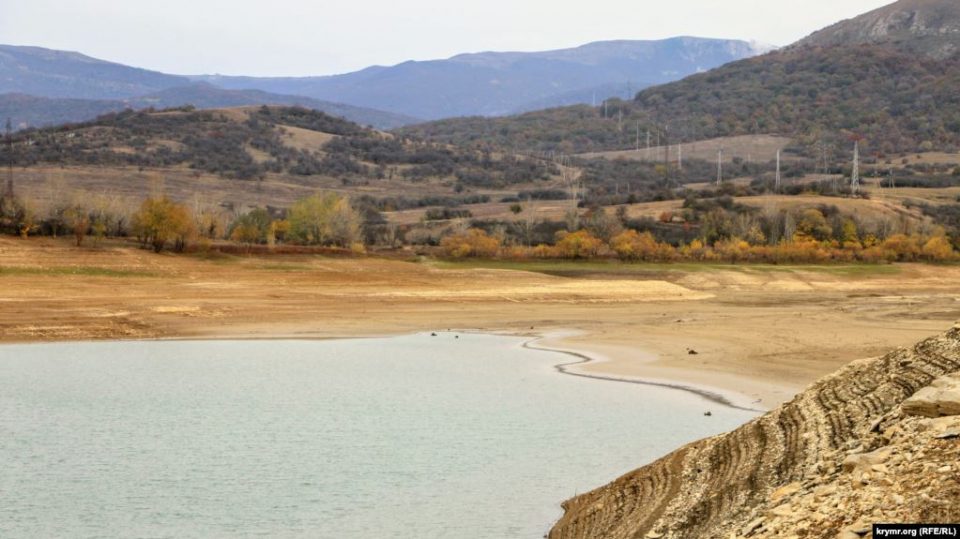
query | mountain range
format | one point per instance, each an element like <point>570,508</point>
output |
<point>28,110</point>
<point>498,83</point>
<point>42,87</point>
<point>888,78</point>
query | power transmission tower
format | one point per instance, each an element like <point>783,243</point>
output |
<point>776,182</point>
<point>720,166</point>
<point>855,175</point>
<point>648,144</point>
<point>9,136</point>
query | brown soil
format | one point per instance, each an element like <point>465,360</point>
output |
<point>760,331</point>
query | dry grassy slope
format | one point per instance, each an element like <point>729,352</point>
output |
<point>48,183</point>
<point>782,475</point>
<point>752,148</point>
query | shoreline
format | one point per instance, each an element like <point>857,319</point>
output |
<point>752,336</point>
<point>717,395</point>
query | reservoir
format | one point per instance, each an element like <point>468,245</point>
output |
<point>420,436</point>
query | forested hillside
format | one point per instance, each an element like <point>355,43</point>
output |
<point>896,92</point>
<point>250,143</point>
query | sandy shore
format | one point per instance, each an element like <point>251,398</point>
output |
<point>760,334</point>
<point>588,364</point>
<point>740,387</point>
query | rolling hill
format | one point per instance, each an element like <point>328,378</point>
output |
<point>888,76</point>
<point>31,111</point>
<point>496,83</point>
<point>249,156</point>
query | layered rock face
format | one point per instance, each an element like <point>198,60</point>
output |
<point>851,450</point>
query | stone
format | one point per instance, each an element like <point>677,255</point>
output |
<point>940,398</point>
<point>752,527</point>
<point>783,511</point>
<point>825,490</point>
<point>784,491</point>
<point>864,461</point>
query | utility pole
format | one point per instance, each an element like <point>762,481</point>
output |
<point>9,135</point>
<point>823,156</point>
<point>855,176</point>
<point>666,154</point>
<point>648,144</point>
<point>680,157</point>
<point>638,136</point>
<point>776,183</point>
<point>720,166</point>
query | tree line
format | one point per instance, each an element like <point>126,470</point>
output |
<point>160,223</point>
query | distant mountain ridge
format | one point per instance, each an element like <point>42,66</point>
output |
<point>61,74</point>
<point>69,86</point>
<point>41,87</point>
<point>498,83</point>
<point>888,77</point>
<point>32,111</point>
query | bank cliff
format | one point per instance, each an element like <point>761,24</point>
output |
<point>878,441</point>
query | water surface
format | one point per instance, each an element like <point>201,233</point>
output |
<point>407,437</point>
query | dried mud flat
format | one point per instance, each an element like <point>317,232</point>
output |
<point>765,332</point>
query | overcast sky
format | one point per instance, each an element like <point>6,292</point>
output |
<point>318,37</point>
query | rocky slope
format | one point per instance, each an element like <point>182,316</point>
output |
<point>927,27</point>
<point>874,442</point>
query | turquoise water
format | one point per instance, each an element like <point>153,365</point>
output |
<point>407,437</point>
